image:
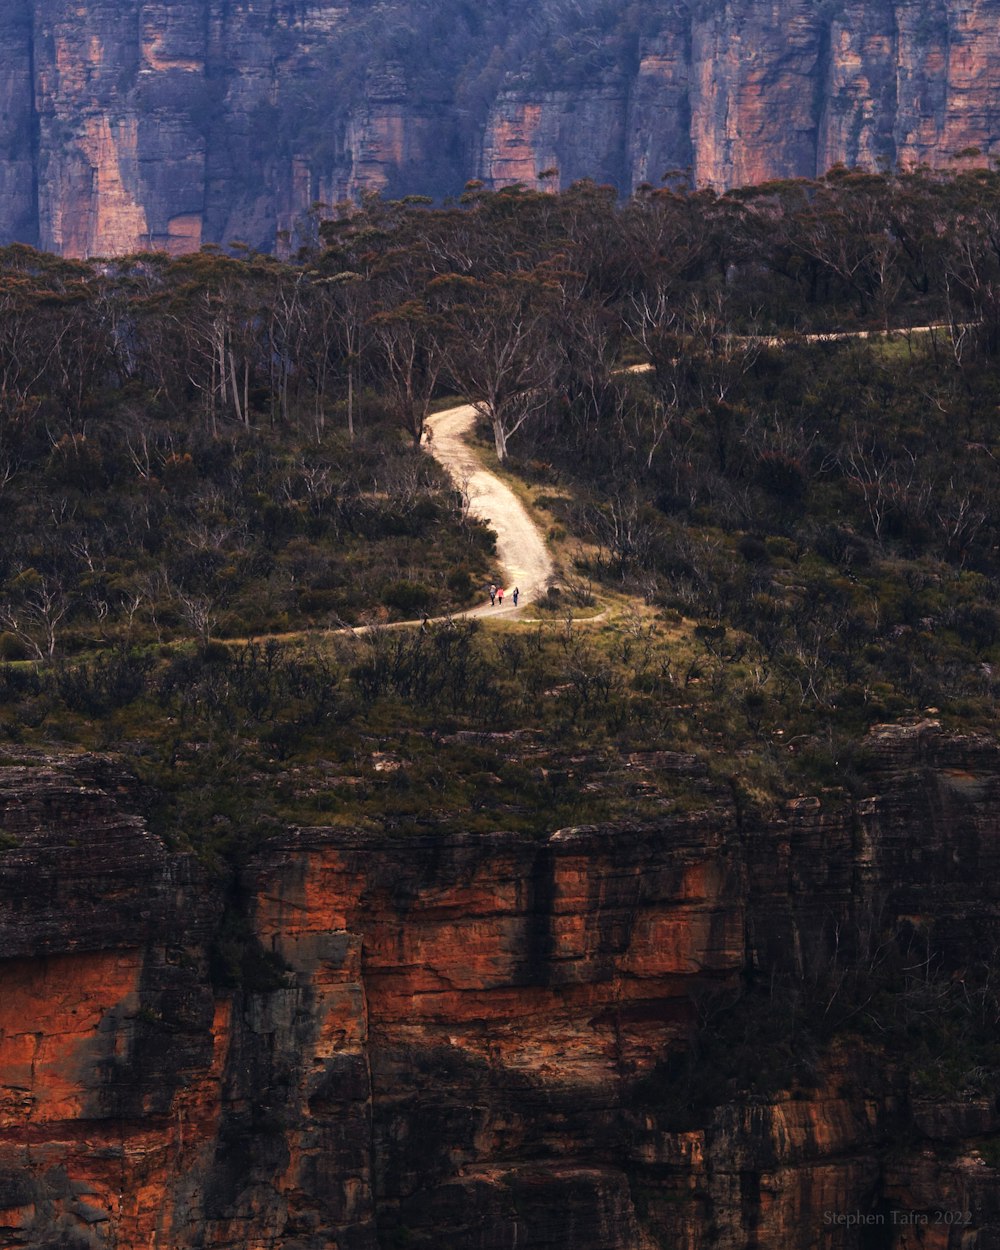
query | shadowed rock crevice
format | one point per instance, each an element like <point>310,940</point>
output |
<point>619,1038</point>
<point>131,127</point>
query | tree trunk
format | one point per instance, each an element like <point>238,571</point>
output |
<point>235,388</point>
<point>213,386</point>
<point>499,437</point>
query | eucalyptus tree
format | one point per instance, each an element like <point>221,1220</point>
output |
<point>411,349</point>
<point>500,351</point>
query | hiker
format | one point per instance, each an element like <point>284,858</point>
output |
<point>516,593</point>
<point>500,596</point>
<point>493,594</point>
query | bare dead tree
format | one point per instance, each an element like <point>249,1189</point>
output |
<point>33,610</point>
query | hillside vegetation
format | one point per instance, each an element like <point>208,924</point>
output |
<point>796,534</point>
<point>792,537</point>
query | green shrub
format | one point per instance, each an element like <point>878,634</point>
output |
<point>18,683</point>
<point>753,549</point>
<point>12,647</point>
<point>781,476</point>
<point>779,548</point>
<point>313,602</point>
<point>214,652</point>
<point>460,584</point>
<point>110,682</point>
<point>410,598</point>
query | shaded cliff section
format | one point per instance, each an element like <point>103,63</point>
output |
<point>480,1041</point>
<point>134,124</point>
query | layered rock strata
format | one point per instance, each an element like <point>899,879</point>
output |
<point>368,1042</point>
<point>145,124</point>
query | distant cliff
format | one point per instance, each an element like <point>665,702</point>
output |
<point>483,1041</point>
<point>130,124</point>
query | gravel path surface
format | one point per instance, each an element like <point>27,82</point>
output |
<point>521,551</point>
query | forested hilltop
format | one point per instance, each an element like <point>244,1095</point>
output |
<point>662,913</point>
<point>203,421</point>
<point>225,446</point>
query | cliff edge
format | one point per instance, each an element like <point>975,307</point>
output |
<point>137,126</point>
<point>486,1040</point>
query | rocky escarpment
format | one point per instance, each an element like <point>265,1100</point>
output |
<point>145,124</point>
<point>480,1041</point>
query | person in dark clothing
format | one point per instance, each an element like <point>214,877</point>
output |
<point>493,594</point>
<point>516,593</point>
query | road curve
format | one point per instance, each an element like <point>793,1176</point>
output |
<point>521,551</point>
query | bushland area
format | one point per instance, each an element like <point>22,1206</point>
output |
<point>209,465</point>
<point>227,445</point>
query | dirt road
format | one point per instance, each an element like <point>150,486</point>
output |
<point>522,556</point>
<point>521,552</point>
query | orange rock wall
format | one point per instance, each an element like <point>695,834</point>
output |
<point>127,126</point>
<point>745,92</point>
<point>365,1042</point>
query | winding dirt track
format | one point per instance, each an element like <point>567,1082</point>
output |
<point>521,549</point>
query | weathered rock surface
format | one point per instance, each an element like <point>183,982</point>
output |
<point>371,1042</point>
<point>145,124</point>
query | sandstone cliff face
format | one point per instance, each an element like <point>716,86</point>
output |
<point>146,124</point>
<point>450,1041</point>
